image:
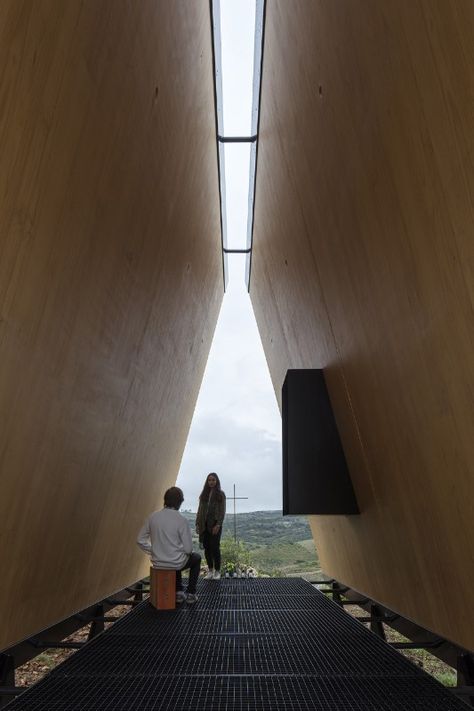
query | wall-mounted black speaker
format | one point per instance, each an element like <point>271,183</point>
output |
<point>315,475</point>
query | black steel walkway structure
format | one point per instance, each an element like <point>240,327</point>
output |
<point>247,645</point>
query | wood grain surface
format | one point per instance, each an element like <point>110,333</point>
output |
<point>110,286</point>
<point>363,265</point>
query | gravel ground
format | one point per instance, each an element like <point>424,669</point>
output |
<point>39,666</point>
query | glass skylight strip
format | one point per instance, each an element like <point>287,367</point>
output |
<point>223,194</point>
<point>216,25</point>
<point>250,212</point>
<point>237,169</point>
<point>237,23</point>
<point>216,52</point>
<point>238,35</point>
<point>257,84</point>
<point>257,63</point>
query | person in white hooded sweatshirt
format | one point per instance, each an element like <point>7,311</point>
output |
<point>166,538</point>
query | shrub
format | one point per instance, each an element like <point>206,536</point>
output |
<point>235,554</point>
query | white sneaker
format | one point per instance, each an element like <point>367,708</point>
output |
<point>180,596</point>
<point>191,598</point>
<point>217,575</point>
<point>210,575</point>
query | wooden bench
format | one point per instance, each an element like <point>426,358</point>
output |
<point>163,588</point>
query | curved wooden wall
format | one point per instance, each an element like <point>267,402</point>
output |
<point>110,286</point>
<point>364,265</point>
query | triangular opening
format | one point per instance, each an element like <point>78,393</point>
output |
<point>236,427</point>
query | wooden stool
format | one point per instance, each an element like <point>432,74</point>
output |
<point>163,589</point>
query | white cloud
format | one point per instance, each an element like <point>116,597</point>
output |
<point>236,429</point>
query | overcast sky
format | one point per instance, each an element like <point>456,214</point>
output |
<point>236,429</point>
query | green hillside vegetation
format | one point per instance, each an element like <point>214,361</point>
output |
<point>309,545</point>
<point>284,559</point>
<point>276,544</point>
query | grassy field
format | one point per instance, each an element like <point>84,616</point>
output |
<point>284,558</point>
<point>277,544</point>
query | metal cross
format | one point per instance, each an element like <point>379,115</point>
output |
<point>234,498</point>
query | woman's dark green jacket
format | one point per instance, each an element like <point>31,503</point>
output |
<point>210,513</point>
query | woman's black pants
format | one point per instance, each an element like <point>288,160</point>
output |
<point>212,549</point>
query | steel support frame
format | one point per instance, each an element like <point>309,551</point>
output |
<point>462,660</point>
<point>51,638</point>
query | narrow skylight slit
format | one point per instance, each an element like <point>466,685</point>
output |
<point>238,37</point>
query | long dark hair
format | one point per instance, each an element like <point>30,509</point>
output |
<point>204,495</point>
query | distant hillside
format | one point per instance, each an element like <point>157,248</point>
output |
<point>259,527</point>
<point>278,544</point>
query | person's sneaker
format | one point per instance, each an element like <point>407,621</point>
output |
<point>191,598</point>
<point>210,575</point>
<point>217,575</point>
<point>180,596</point>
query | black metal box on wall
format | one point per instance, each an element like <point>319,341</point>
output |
<point>316,479</point>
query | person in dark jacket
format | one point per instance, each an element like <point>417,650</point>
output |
<point>209,520</point>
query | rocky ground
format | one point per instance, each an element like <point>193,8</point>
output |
<point>39,666</point>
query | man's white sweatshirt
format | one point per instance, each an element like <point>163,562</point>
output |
<point>166,537</point>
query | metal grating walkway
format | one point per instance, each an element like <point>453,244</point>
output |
<point>247,645</point>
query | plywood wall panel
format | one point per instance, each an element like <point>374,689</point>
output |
<point>364,264</point>
<point>110,286</point>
